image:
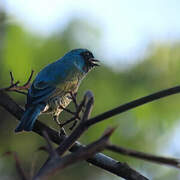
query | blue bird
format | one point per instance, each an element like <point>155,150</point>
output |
<point>51,89</point>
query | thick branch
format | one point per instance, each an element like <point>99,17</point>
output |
<point>144,156</point>
<point>133,104</point>
<point>58,164</point>
<point>99,159</point>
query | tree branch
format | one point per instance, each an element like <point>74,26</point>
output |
<point>144,156</point>
<point>49,147</point>
<point>19,168</point>
<point>133,104</point>
<point>99,159</point>
<point>14,85</point>
<point>58,164</point>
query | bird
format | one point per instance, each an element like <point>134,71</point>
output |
<point>51,89</point>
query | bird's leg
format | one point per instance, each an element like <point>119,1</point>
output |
<point>74,99</point>
<point>60,106</point>
<point>69,121</point>
<point>62,131</point>
<point>81,106</point>
<point>73,125</point>
<point>76,115</point>
<point>79,109</point>
<point>67,110</point>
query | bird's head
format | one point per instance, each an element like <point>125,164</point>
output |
<point>83,59</point>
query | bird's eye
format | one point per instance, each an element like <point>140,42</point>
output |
<point>87,54</point>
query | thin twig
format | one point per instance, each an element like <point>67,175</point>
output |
<point>12,78</point>
<point>33,165</point>
<point>19,168</point>
<point>68,110</point>
<point>59,164</point>
<point>133,104</point>
<point>73,96</point>
<point>145,156</point>
<point>29,80</point>
<point>68,121</point>
<point>50,148</point>
<point>21,92</point>
<point>15,87</point>
<point>77,116</point>
<point>73,125</point>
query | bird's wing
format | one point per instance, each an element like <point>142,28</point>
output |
<point>40,92</point>
<point>48,82</point>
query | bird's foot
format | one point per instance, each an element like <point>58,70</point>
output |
<point>62,131</point>
<point>73,119</point>
<point>73,125</point>
<point>77,114</point>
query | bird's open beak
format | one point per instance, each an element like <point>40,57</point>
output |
<point>94,62</point>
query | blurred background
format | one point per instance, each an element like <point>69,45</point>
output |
<point>138,43</point>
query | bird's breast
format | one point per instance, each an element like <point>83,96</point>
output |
<point>61,96</point>
<point>54,104</point>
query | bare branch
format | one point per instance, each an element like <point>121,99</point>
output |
<point>73,125</point>
<point>121,169</point>
<point>33,165</point>
<point>58,164</point>
<point>133,104</point>
<point>99,159</point>
<point>21,92</point>
<point>73,96</point>
<point>50,148</point>
<point>14,85</point>
<point>19,168</point>
<point>145,156</point>
<point>73,119</point>
<point>27,84</point>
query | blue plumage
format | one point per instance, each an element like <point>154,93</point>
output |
<point>53,84</point>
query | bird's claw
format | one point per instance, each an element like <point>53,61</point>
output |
<point>62,132</point>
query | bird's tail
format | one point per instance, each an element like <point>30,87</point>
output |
<point>29,117</point>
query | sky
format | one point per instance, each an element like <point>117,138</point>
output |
<point>128,27</point>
